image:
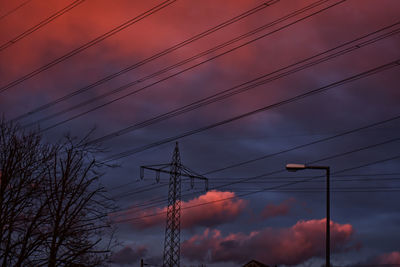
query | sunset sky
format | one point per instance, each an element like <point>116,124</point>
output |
<point>322,77</point>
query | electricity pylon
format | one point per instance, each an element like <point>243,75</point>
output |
<point>171,256</point>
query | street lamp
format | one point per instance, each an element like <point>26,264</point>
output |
<point>298,167</point>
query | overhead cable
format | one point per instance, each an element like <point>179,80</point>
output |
<point>41,24</point>
<point>127,86</point>
<point>14,9</point>
<point>89,44</point>
<point>381,68</point>
<point>151,58</point>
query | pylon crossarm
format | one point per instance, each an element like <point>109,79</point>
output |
<point>188,175</point>
<point>193,175</point>
<point>142,168</point>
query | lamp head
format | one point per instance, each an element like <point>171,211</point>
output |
<point>295,167</point>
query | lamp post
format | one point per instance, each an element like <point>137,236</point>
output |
<point>298,167</point>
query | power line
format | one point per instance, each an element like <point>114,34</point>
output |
<point>365,177</point>
<point>141,190</point>
<point>364,74</point>
<point>162,184</point>
<point>247,179</point>
<point>239,88</point>
<point>296,182</point>
<point>302,190</point>
<point>41,24</point>
<point>14,9</point>
<point>151,58</point>
<point>259,191</point>
<point>126,86</point>
<point>334,191</point>
<point>322,159</point>
<point>303,145</point>
<point>243,180</point>
<point>280,171</point>
<point>89,44</point>
<point>312,162</point>
<point>323,189</point>
<point>122,185</point>
<point>378,123</point>
<point>272,76</point>
<point>279,180</point>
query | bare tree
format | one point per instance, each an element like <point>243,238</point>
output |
<point>21,159</point>
<point>53,210</point>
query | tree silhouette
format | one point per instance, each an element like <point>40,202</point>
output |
<point>53,210</point>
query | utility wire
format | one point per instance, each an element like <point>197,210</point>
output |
<point>141,190</point>
<point>321,189</point>
<point>151,58</point>
<point>365,127</point>
<point>302,190</point>
<point>247,179</point>
<point>355,190</point>
<point>304,145</point>
<point>244,185</point>
<point>83,47</point>
<point>388,175</point>
<point>365,74</point>
<point>312,162</point>
<point>14,9</point>
<point>126,86</point>
<point>272,76</point>
<point>279,180</point>
<point>258,191</point>
<point>308,179</point>
<point>322,159</point>
<point>154,203</point>
<point>41,24</point>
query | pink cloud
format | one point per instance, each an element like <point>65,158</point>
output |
<point>213,214</point>
<point>293,245</point>
<point>273,210</point>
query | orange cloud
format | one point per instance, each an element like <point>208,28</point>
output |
<point>293,245</point>
<point>215,213</point>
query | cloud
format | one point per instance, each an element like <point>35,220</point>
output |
<point>129,255</point>
<point>293,245</point>
<point>389,258</point>
<point>274,210</point>
<point>216,213</point>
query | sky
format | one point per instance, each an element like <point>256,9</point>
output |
<point>316,83</point>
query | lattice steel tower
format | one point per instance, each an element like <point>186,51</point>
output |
<point>171,256</point>
<point>172,239</point>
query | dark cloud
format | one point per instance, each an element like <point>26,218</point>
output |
<point>129,255</point>
<point>384,259</point>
